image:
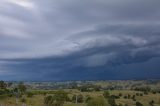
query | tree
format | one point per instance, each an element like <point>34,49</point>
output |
<point>57,99</point>
<point>3,85</point>
<point>77,98</point>
<point>61,96</point>
<point>22,88</point>
<point>48,100</point>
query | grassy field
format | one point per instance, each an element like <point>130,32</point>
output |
<point>81,93</point>
<point>38,99</point>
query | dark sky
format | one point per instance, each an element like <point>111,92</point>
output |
<point>51,40</point>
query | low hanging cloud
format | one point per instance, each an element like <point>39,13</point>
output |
<point>78,39</point>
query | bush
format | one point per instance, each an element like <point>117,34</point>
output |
<point>106,94</point>
<point>133,98</point>
<point>139,104</point>
<point>111,101</point>
<point>141,94</point>
<point>125,97</point>
<point>154,92</point>
<point>48,100</point>
<point>114,97</point>
<point>145,92</point>
<point>88,98</point>
<point>120,104</point>
<point>23,100</point>
<point>61,96</point>
<point>151,103</point>
<point>120,94</point>
<point>29,94</point>
<point>57,99</point>
<point>137,94</point>
<point>129,96</point>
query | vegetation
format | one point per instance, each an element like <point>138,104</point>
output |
<point>139,104</point>
<point>57,99</point>
<point>99,101</point>
<point>83,94</point>
<point>3,85</point>
<point>77,98</point>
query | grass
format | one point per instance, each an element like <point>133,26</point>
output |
<point>37,100</point>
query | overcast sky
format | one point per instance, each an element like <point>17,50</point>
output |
<point>45,40</point>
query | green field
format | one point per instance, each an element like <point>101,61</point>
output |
<point>98,93</point>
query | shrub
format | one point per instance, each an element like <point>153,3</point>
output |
<point>120,104</point>
<point>106,94</point>
<point>29,94</point>
<point>111,101</point>
<point>154,92</point>
<point>48,100</point>
<point>141,94</point>
<point>129,96</point>
<point>61,96</point>
<point>120,94</point>
<point>145,92</point>
<point>57,99</point>
<point>125,97</point>
<point>114,97</point>
<point>137,94</point>
<point>139,104</point>
<point>133,98</point>
<point>151,103</point>
<point>88,98</point>
<point>23,100</point>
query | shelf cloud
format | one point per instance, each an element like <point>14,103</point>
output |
<point>79,40</point>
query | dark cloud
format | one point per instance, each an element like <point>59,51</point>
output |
<point>73,40</point>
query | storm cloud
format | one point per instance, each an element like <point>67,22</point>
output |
<point>79,40</point>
